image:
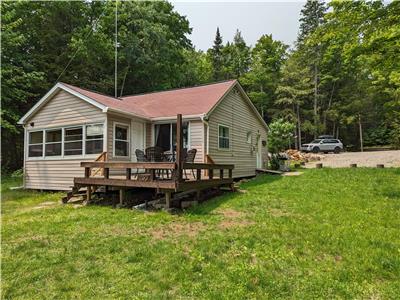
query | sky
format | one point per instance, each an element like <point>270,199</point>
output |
<point>253,19</point>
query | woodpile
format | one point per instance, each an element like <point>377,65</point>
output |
<point>302,156</point>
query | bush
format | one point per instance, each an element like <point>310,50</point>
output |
<point>280,135</point>
<point>17,173</point>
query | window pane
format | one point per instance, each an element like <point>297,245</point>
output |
<point>121,133</point>
<point>95,146</point>
<point>185,132</point>
<point>73,148</point>
<point>121,148</point>
<point>94,132</point>
<point>53,149</point>
<point>53,136</point>
<point>73,134</point>
<point>35,150</point>
<point>36,137</point>
<point>224,143</point>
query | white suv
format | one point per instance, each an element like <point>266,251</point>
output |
<point>323,145</point>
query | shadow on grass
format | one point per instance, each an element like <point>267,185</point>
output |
<point>212,204</point>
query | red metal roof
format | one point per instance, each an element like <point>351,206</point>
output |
<point>186,101</point>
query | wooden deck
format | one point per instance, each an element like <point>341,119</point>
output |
<point>165,177</point>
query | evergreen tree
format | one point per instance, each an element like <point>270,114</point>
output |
<point>217,57</point>
<point>312,16</point>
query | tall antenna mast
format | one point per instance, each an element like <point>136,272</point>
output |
<point>116,48</point>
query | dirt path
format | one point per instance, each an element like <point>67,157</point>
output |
<point>362,159</point>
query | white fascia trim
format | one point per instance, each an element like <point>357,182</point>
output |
<point>48,96</point>
<point>117,111</point>
<point>173,118</point>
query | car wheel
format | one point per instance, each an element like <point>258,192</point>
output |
<point>337,150</point>
<point>326,152</point>
<point>315,150</point>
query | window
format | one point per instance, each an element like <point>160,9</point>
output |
<point>165,135</point>
<point>73,141</point>
<point>223,137</point>
<point>35,144</point>
<point>248,137</point>
<point>121,140</point>
<point>94,139</point>
<point>53,142</point>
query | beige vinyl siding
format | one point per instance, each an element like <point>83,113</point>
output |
<point>53,174</point>
<point>62,110</point>
<point>149,138</point>
<point>234,112</point>
<point>65,109</point>
<point>196,137</point>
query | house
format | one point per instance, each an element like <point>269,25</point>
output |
<point>70,125</point>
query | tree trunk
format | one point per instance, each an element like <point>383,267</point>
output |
<point>298,126</point>
<point>329,104</point>
<point>361,135</point>
<point>315,99</point>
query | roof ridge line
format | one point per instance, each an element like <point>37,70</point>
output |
<point>92,91</point>
<point>177,89</point>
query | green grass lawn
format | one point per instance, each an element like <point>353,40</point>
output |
<point>331,233</point>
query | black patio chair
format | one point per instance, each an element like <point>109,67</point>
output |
<point>140,157</point>
<point>156,154</point>
<point>189,158</point>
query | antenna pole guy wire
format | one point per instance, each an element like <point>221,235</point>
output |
<point>116,48</point>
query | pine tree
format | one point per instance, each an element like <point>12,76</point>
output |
<point>312,17</point>
<point>217,57</point>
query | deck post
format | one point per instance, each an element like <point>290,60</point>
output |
<point>179,147</point>
<point>88,193</point>
<point>210,173</point>
<point>121,196</point>
<point>106,173</point>
<point>128,173</point>
<point>87,172</point>
<point>168,199</point>
<point>221,173</point>
<point>198,174</point>
<point>230,173</point>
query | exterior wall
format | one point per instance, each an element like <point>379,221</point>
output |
<point>51,173</point>
<point>149,135</point>
<point>234,112</point>
<point>65,109</point>
<point>196,139</point>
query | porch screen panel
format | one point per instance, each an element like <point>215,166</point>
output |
<point>73,144</point>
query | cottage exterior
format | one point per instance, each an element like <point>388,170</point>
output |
<point>70,125</point>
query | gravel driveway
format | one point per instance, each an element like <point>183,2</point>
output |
<point>362,159</point>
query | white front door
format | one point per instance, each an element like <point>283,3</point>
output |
<point>259,152</point>
<point>137,138</point>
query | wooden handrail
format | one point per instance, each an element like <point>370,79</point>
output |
<point>101,157</point>
<point>132,165</point>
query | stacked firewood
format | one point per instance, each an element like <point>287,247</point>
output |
<point>296,155</point>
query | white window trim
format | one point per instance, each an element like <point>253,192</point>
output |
<point>62,156</point>
<point>115,124</point>
<point>89,140</point>
<point>249,134</point>
<point>29,144</point>
<point>51,143</point>
<point>230,138</point>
